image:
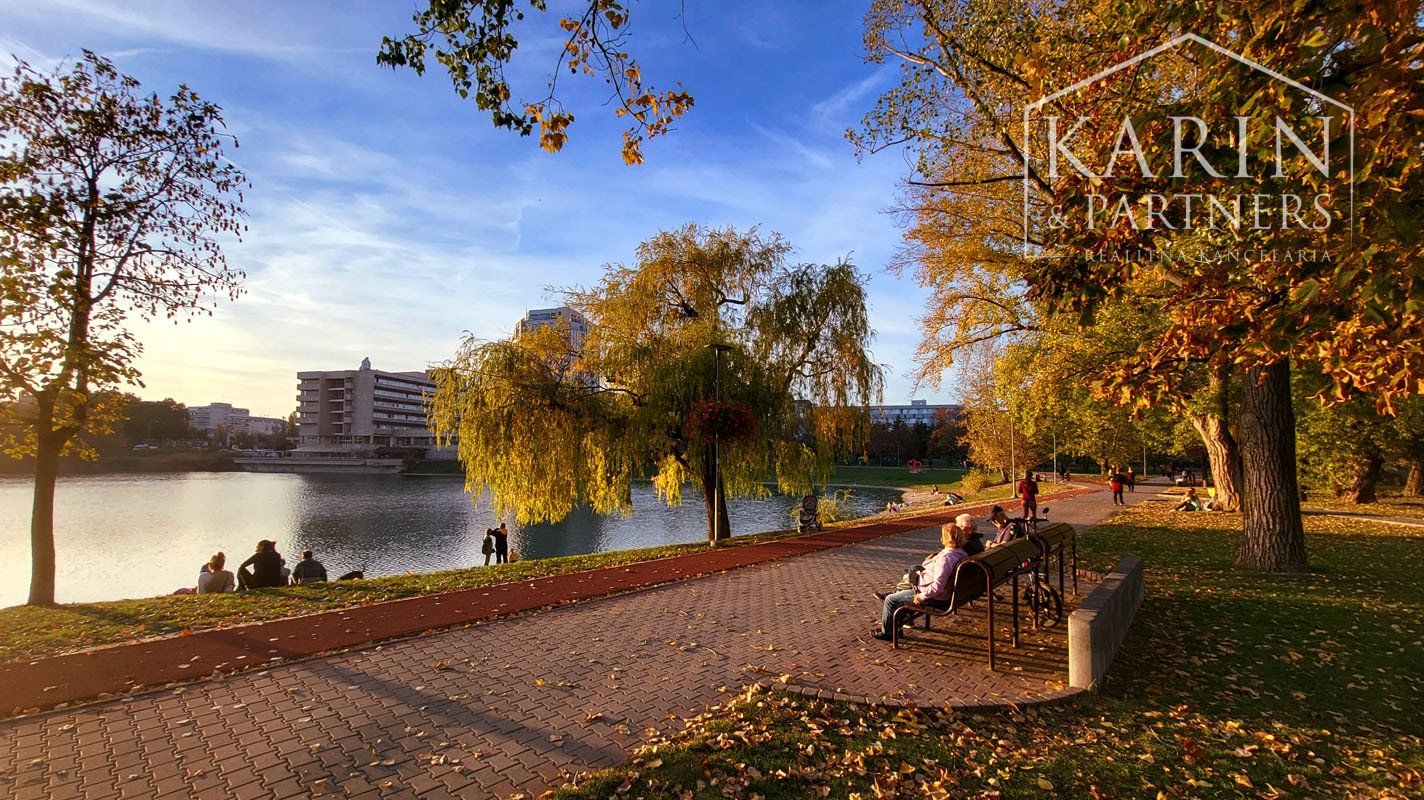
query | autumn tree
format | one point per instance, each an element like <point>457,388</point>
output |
<point>710,361</point>
<point>970,71</point>
<point>476,42</point>
<point>113,208</point>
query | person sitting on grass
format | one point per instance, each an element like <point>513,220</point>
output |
<point>934,579</point>
<point>1189,501</point>
<point>268,568</point>
<point>308,570</point>
<point>214,579</point>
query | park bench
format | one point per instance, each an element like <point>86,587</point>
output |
<point>976,578</point>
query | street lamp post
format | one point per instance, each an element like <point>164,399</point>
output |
<point>1013,460</point>
<point>1055,455</point>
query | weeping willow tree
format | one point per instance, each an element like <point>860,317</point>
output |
<point>712,362</point>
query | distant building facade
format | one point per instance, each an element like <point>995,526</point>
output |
<point>358,410</point>
<point>918,412</point>
<point>542,317</point>
<point>219,416</point>
<point>266,426</point>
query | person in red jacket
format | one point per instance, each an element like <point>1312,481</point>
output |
<point>1115,482</point>
<point>1028,494</point>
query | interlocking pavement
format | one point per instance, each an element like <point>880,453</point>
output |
<point>510,706</point>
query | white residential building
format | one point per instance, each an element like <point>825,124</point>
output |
<point>541,317</point>
<point>215,416</point>
<point>918,412</point>
<point>358,410</point>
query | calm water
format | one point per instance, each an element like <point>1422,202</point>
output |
<point>140,535</point>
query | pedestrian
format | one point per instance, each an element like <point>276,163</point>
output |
<point>1116,483</point>
<point>488,546</point>
<point>1028,495</point>
<point>1131,480</point>
<point>501,544</point>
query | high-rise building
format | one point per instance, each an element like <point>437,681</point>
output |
<point>541,317</point>
<point>356,410</point>
<point>918,412</point>
<point>214,416</point>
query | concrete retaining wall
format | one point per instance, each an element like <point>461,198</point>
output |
<point>1100,623</point>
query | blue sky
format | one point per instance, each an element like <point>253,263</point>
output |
<point>387,217</point>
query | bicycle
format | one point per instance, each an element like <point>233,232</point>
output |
<point>1039,595</point>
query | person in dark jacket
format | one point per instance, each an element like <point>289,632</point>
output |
<point>308,570</point>
<point>267,566</point>
<point>501,544</point>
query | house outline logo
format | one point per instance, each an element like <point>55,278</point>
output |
<point>1161,48</point>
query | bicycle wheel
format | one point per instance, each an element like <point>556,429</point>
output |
<point>1045,603</point>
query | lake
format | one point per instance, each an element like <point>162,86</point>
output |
<point>122,536</point>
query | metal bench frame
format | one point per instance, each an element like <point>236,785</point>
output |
<point>978,576</point>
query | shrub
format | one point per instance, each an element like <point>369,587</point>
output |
<point>977,480</point>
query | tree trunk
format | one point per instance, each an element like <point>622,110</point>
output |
<point>1222,451</point>
<point>1274,539</point>
<point>714,497</point>
<point>1362,485</point>
<point>1414,483</point>
<point>42,558</point>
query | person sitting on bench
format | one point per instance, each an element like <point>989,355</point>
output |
<point>935,578</point>
<point>1004,530</point>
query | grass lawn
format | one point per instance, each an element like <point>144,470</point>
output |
<point>897,477</point>
<point>1230,685</point>
<point>1389,504</point>
<point>29,632</point>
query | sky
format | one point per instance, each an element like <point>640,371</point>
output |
<point>388,218</point>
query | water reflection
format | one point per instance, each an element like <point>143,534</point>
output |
<point>141,535</point>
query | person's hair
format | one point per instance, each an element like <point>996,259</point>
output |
<point>1028,476</point>
<point>216,562</point>
<point>951,535</point>
<point>306,554</point>
<point>996,511</point>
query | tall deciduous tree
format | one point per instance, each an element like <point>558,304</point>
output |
<point>971,68</point>
<point>710,361</point>
<point>113,207</point>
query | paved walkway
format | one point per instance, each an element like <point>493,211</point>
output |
<point>513,705</point>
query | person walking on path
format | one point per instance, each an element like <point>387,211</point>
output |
<point>1116,482</point>
<point>1028,494</point>
<point>487,548</point>
<point>501,544</point>
<point>1131,480</point>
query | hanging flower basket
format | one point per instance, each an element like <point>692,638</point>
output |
<point>727,422</point>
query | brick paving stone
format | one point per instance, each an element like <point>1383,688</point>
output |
<point>521,700</point>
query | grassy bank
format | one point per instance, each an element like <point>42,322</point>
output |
<point>27,632</point>
<point>896,477</point>
<point>1230,685</point>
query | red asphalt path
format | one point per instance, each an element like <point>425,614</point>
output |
<point>122,668</point>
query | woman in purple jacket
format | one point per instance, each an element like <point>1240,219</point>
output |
<point>935,579</point>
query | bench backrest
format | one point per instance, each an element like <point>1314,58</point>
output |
<point>1051,538</point>
<point>977,574</point>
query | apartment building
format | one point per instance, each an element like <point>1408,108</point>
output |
<point>540,317</point>
<point>917,412</point>
<point>214,416</point>
<point>361,410</point>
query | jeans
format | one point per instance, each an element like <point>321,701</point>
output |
<point>892,602</point>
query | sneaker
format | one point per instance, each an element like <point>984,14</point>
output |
<point>881,595</point>
<point>876,633</point>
